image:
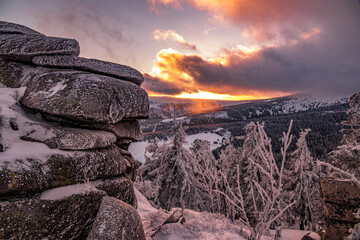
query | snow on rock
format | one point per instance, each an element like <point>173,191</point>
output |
<point>58,87</point>
<point>67,191</point>
<point>13,147</point>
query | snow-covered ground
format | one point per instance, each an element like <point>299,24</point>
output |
<point>137,149</point>
<point>197,225</point>
<point>304,103</point>
<point>222,114</point>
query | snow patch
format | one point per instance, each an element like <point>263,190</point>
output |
<point>214,139</point>
<point>67,191</point>
<point>144,207</point>
<point>176,119</point>
<point>58,87</point>
<point>15,149</point>
<point>306,103</point>
<point>222,115</point>
<point>292,234</point>
<point>137,149</point>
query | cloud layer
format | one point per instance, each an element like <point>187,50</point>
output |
<point>161,35</point>
<point>304,45</point>
<point>88,23</point>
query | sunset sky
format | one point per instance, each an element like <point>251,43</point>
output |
<point>216,49</point>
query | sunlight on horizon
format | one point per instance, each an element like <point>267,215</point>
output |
<point>204,95</point>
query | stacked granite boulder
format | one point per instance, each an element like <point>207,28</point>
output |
<point>342,206</point>
<point>65,126</point>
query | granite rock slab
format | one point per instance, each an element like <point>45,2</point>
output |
<point>91,65</point>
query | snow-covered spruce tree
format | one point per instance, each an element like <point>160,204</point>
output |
<point>229,159</point>
<point>347,155</point>
<point>208,173</point>
<point>172,168</point>
<point>302,185</point>
<point>258,191</point>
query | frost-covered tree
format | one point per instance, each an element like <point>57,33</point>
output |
<point>208,173</point>
<point>303,186</point>
<point>347,155</point>
<point>229,159</point>
<point>258,191</point>
<point>254,150</point>
<point>172,168</point>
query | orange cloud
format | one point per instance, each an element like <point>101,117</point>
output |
<point>161,35</point>
<point>193,76</point>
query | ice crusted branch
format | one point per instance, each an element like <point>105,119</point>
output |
<point>267,203</point>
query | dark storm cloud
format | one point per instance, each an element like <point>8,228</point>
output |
<point>157,85</point>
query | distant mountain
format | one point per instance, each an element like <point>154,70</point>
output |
<point>322,115</point>
<point>167,107</point>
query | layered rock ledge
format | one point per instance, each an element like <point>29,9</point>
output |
<point>65,126</point>
<point>341,204</point>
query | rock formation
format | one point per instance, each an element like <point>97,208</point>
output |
<point>65,125</point>
<point>341,204</point>
<point>116,220</point>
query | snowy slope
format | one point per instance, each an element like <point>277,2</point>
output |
<point>198,225</point>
